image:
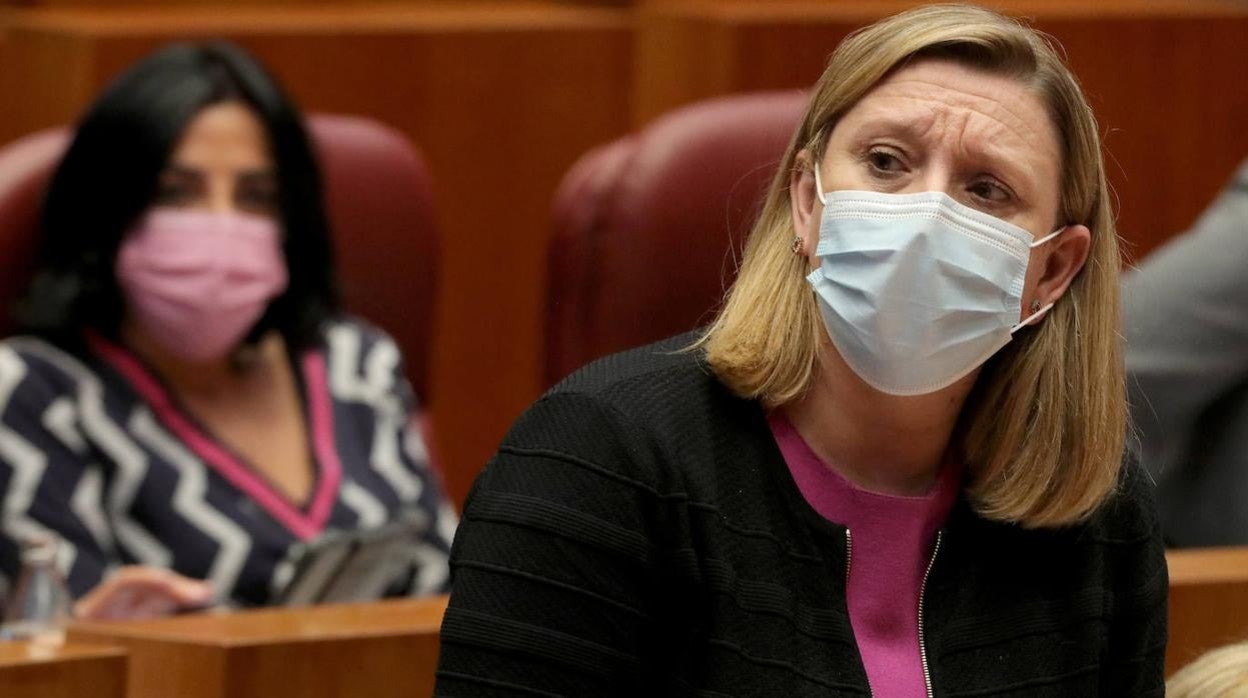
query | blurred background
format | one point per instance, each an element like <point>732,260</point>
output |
<point>503,97</point>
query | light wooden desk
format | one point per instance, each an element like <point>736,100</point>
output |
<point>391,648</point>
<point>1208,601</point>
<point>378,650</point>
<point>29,670</point>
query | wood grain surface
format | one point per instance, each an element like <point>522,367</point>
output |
<point>40,670</point>
<point>380,650</point>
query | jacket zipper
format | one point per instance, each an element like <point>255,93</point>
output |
<point>849,557</point>
<point>849,561</point>
<point>927,674</point>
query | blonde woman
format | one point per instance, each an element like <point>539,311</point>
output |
<point>1218,673</point>
<point>891,466</point>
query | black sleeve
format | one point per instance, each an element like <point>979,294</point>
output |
<point>1135,650</point>
<point>553,565</point>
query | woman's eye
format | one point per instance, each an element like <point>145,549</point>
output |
<point>989,191</point>
<point>883,161</point>
<point>257,200</point>
<point>173,194</point>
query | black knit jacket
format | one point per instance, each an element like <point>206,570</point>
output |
<point>638,534</point>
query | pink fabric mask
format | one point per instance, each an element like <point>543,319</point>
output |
<point>197,281</point>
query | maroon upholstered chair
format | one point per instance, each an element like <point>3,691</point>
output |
<point>25,167</point>
<point>648,229</point>
<point>380,204</point>
<point>379,197</point>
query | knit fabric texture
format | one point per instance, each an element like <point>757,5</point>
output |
<point>639,534</point>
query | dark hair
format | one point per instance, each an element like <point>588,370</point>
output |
<point>109,177</point>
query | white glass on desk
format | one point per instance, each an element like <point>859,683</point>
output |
<point>38,605</point>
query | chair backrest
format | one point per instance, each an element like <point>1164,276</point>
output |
<point>379,199</point>
<point>648,229</point>
<point>25,167</point>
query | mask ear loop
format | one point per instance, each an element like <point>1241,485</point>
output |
<point>1048,237</point>
<point>1027,320</point>
<point>823,199</point>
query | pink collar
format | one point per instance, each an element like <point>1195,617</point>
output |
<point>305,522</point>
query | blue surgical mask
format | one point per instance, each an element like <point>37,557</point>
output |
<point>917,290</point>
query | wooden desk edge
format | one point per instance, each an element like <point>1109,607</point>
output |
<point>172,630</point>
<point>25,653</point>
<point>1203,566</point>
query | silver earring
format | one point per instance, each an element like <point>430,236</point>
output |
<point>797,244</point>
<point>1035,305</point>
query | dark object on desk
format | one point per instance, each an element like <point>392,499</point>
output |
<point>348,566</point>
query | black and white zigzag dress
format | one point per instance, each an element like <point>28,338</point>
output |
<point>97,451</point>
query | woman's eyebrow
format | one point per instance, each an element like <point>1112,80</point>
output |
<point>1005,162</point>
<point>994,157</point>
<point>182,172</point>
<point>263,175</point>
<point>885,124</point>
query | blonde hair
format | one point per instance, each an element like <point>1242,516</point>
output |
<point>1219,673</point>
<point>1042,433</point>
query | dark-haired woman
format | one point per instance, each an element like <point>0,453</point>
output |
<point>187,403</point>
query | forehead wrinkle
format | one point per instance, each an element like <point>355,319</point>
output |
<point>996,109</point>
<point>875,118</point>
<point>1015,162</point>
<point>976,134</point>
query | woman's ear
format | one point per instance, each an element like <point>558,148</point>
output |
<point>1059,264</point>
<point>804,202</point>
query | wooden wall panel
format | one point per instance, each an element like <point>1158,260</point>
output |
<point>500,100</point>
<point>226,4</point>
<point>1162,76</point>
<point>503,96</point>
<point>232,3</point>
<point>41,81</point>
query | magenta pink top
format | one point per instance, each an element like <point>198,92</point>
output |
<point>892,542</point>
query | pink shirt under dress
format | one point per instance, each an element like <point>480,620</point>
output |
<point>891,542</point>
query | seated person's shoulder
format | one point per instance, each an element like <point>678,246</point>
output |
<point>1123,526</point>
<point>358,352</point>
<point>30,365</point>
<point>42,388</point>
<point>627,412</point>
<point>1240,180</point>
<point>1127,534</point>
<point>647,383</point>
<point>1129,515</point>
<point>351,332</point>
